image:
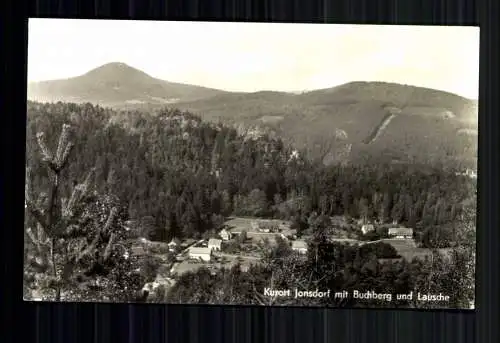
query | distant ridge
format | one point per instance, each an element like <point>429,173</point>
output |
<point>378,119</point>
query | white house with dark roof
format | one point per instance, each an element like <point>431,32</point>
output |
<point>225,235</point>
<point>214,244</point>
<point>299,246</point>
<point>197,253</point>
<point>400,232</point>
<point>367,228</point>
<point>264,226</point>
<point>173,244</point>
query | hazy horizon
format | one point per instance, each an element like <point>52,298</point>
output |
<point>251,57</point>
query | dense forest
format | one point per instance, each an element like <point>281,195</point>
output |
<point>179,175</point>
<point>173,175</point>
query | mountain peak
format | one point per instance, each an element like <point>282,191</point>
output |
<point>117,71</point>
<point>117,84</point>
<point>114,66</point>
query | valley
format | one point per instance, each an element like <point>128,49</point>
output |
<point>215,195</point>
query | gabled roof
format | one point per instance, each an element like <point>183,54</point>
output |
<point>199,250</point>
<point>400,231</point>
<point>214,241</point>
<point>299,245</point>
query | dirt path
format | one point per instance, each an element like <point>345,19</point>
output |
<point>380,128</point>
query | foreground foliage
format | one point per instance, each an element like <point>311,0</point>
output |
<point>79,249</point>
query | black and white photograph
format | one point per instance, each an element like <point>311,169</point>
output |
<point>239,163</point>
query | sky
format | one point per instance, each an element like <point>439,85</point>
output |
<point>251,57</point>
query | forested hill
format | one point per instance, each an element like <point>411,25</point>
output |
<point>349,122</point>
<point>117,84</point>
<point>346,123</point>
<point>179,176</point>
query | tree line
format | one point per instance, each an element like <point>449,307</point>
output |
<point>179,176</point>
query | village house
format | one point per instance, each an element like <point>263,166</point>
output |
<point>214,244</point>
<point>225,235</point>
<point>274,227</point>
<point>400,233</point>
<point>264,226</point>
<point>294,155</point>
<point>367,228</point>
<point>264,229</point>
<point>197,253</point>
<point>469,173</point>
<point>299,246</point>
<point>173,244</point>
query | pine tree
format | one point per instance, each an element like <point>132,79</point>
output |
<point>66,248</point>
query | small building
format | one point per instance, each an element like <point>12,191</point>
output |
<point>225,235</point>
<point>264,229</point>
<point>197,253</point>
<point>471,173</point>
<point>174,244</point>
<point>268,226</point>
<point>274,227</point>
<point>400,232</point>
<point>294,155</point>
<point>299,246</point>
<point>214,244</point>
<point>367,228</point>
